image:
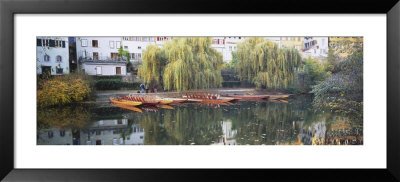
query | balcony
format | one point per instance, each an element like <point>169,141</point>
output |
<point>102,59</point>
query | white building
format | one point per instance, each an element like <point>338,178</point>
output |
<point>99,55</point>
<point>315,47</point>
<point>226,45</point>
<point>136,45</point>
<point>52,55</point>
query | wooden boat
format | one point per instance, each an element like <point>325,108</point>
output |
<point>205,99</point>
<point>165,106</point>
<point>275,97</point>
<point>143,100</point>
<point>125,102</point>
<point>164,101</point>
<point>248,97</point>
<point>176,100</point>
<point>132,108</point>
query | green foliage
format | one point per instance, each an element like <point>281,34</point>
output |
<point>343,91</point>
<point>154,61</point>
<point>124,53</point>
<point>264,64</point>
<point>63,90</point>
<point>116,77</point>
<point>315,71</point>
<point>184,63</point>
<point>232,64</point>
<point>114,84</point>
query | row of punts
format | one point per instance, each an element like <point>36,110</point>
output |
<point>132,100</point>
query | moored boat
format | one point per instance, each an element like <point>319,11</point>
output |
<point>164,101</point>
<point>165,106</point>
<point>248,97</point>
<point>125,102</point>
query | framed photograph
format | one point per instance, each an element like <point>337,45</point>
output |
<point>145,91</point>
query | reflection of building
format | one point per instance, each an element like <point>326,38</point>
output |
<point>228,137</point>
<point>313,135</point>
<point>113,132</point>
<point>99,55</point>
<point>106,132</point>
<point>341,133</point>
<point>52,55</point>
<point>54,136</point>
<point>136,137</point>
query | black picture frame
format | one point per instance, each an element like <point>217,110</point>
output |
<point>9,8</point>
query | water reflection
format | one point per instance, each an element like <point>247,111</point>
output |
<point>244,123</point>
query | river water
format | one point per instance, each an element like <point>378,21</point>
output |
<point>241,123</point>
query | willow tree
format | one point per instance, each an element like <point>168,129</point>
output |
<point>153,63</point>
<point>190,63</point>
<point>265,64</point>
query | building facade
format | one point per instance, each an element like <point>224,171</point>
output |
<point>226,45</point>
<point>52,55</point>
<point>316,47</point>
<point>99,55</point>
<point>288,42</point>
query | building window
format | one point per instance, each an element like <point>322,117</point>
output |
<point>59,59</point>
<point>46,58</point>
<point>84,42</point>
<point>50,134</point>
<point>125,47</point>
<point>112,44</point>
<point>98,142</point>
<point>62,133</point>
<point>139,56</point>
<point>98,132</point>
<point>118,44</point>
<point>95,55</point>
<point>141,137</point>
<point>95,43</point>
<point>139,47</point>
<point>230,48</point>
<point>45,42</point>
<point>151,39</point>
<point>139,38</point>
<point>133,56</point>
<point>59,70</point>
<point>119,121</point>
<point>145,39</point>
<point>114,55</point>
<point>118,72</point>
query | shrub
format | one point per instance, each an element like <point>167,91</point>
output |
<point>343,91</point>
<point>112,84</point>
<point>62,90</point>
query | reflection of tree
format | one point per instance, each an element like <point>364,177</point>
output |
<point>270,123</point>
<point>63,117</point>
<point>182,126</point>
